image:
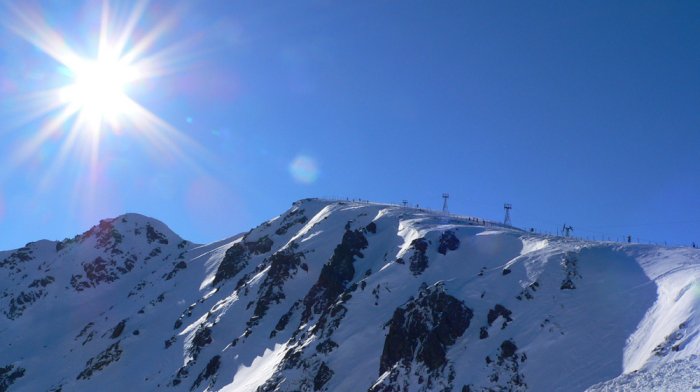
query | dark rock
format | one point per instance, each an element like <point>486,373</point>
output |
<point>170,342</point>
<point>43,282</point>
<point>8,375</point>
<point>237,256</point>
<point>153,235</point>
<point>335,274</point>
<point>570,265</point>
<point>19,303</point>
<point>506,271</point>
<point>326,346</point>
<point>283,265</point>
<point>100,361</point>
<point>371,228</point>
<point>508,349</point>
<point>418,261</point>
<point>235,259</point>
<point>323,375</point>
<point>293,218</point>
<point>209,372</point>
<point>483,333</point>
<point>118,329</point>
<point>448,241</point>
<point>177,268</point>
<point>424,328</point>
<point>202,337</point>
<point>567,284</point>
<point>499,311</point>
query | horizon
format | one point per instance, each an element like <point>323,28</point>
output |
<point>555,232</point>
<point>578,114</point>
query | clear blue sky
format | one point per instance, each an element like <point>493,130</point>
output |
<point>580,112</point>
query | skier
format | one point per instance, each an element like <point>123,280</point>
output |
<point>629,239</point>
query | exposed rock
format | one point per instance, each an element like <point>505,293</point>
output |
<point>424,328</point>
<point>237,256</point>
<point>181,265</point>
<point>18,304</point>
<point>118,329</point>
<point>283,265</point>
<point>323,375</point>
<point>371,228</point>
<point>326,346</point>
<point>570,265</point>
<point>208,373</point>
<point>17,257</point>
<point>418,261</point>
<point>43,282</point>
<point>100,271</point>
<point>483,333</point>
<point>293,218</point>
<point>506,374</point>
<point>202,337</point>
<point>110,355</point>
<point>153,235</point>
<point>527,293</point>
<point>672,342</point>
<point>448,241</point>
<point>8,375</point>
<point>499,311</point>
<point>335,274</point>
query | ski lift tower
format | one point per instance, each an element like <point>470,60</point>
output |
<point>567,230</point>
<point>507,207</point>
<point>445,196</point>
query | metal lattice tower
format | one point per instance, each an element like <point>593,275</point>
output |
<point>445,196</point>
<point>567,230</point>
<point>507,207</point>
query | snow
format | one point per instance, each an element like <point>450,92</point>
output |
<point>249,378</point>
<point>629,320</point>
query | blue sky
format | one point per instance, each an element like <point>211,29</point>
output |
<point>577,112</point>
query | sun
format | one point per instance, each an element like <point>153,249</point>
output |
<point>99,88</point>
<point>92,96</point>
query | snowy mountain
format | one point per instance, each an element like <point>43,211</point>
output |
<point>344,296</point>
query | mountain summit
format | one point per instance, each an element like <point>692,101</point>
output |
<point>346,296</point>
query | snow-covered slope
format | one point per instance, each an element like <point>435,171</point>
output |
<point>343,296</point>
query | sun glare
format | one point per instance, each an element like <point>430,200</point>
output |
<point>99,89</point>
<point>95,97</point>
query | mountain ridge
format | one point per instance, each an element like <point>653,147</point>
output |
<point>340,295</point>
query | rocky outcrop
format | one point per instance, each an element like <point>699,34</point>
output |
<point>419,260</point>
<point>238,255</point>
<point>8,375</point>
<point>110,355</point>
<point>208,373</point>
<point>283,265</point>
<point>448,242</point>
<point>296,217</point>
<point>499,311</point>
<point>420,333</point>
<point>569,264</point>
<point>99,271</point>
<point>335,274</point>
<point>506,374</point>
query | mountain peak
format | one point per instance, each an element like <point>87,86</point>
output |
<point>342,295</point>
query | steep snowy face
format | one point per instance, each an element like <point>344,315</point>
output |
<point>343,296</point>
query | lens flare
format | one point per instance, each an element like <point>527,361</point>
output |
<point>94,104</point>
<point>304,169</point>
